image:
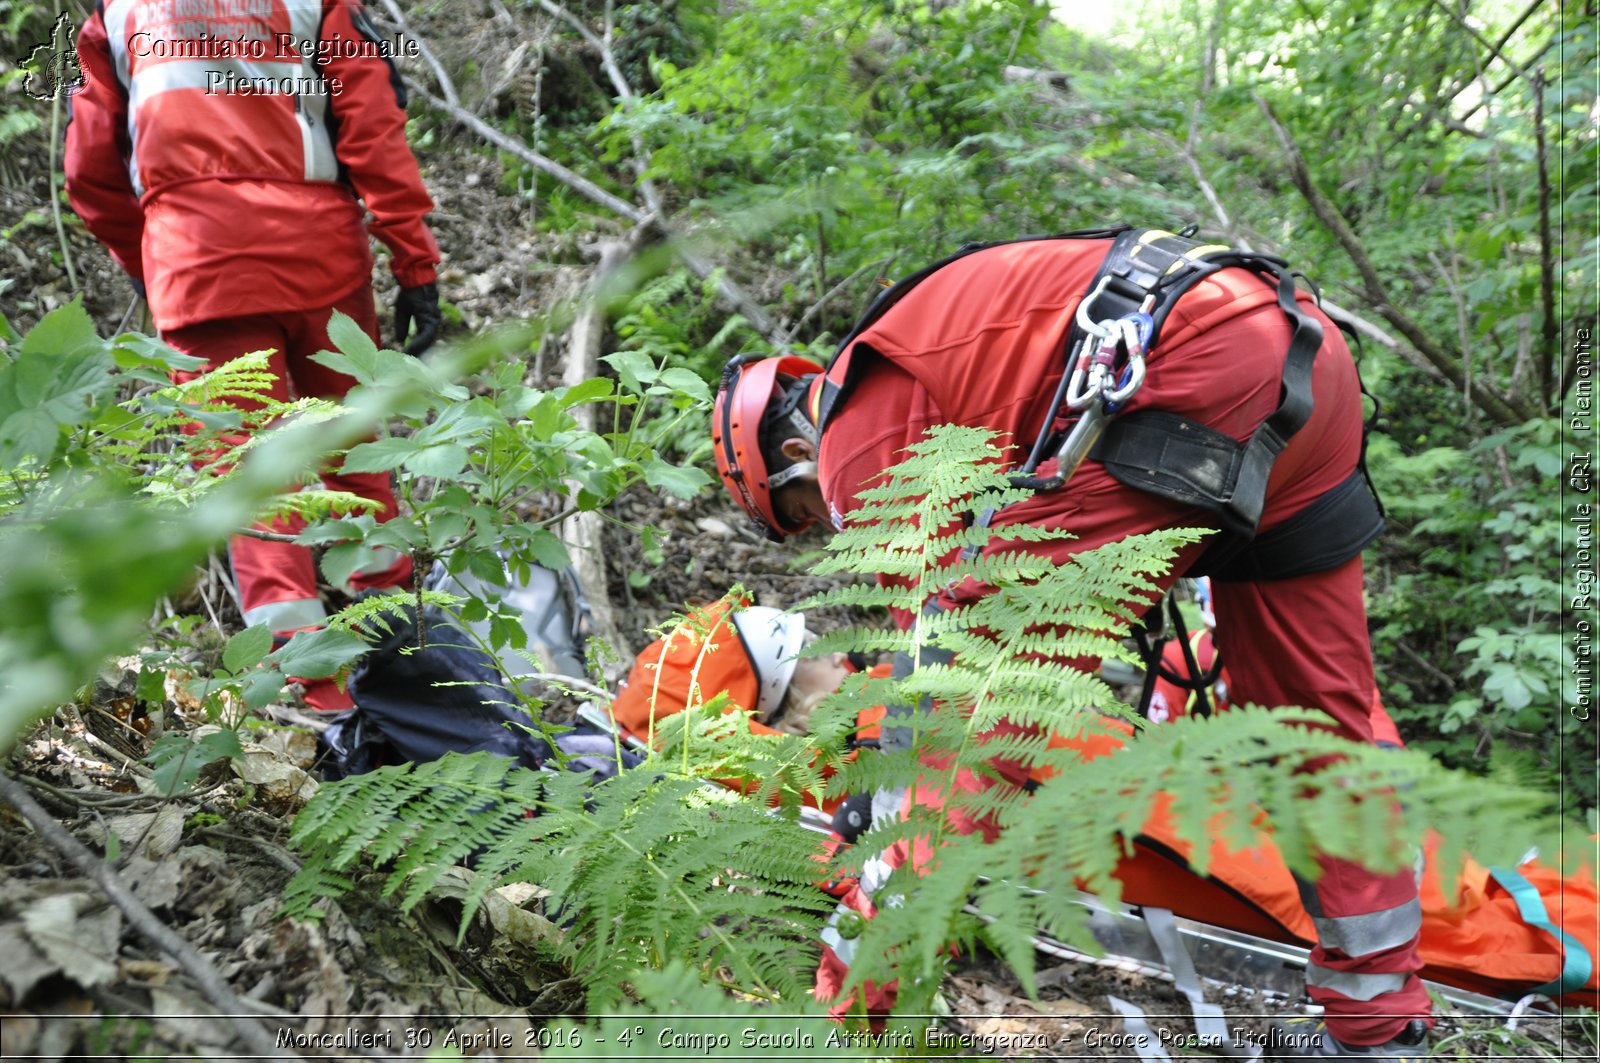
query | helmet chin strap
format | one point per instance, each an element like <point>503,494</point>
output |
<point>793,472</point>
<point>802,424</point>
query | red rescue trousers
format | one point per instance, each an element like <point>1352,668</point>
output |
<point>278,581</point>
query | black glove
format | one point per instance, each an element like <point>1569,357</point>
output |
<point>138,288</point>
<point>420,305</point>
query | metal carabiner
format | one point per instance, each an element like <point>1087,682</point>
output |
<point>1101,329</point>
<point>1132,338</point>
<point>1132,381</point>
<point>1081,386</point>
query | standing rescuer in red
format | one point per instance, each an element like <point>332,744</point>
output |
<point>981,341</point>
<point>243,217</point>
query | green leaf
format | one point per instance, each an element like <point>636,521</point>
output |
<point>29,433</point>
<point>340,561</point>
<point>247,649</point>
<point>548,550</point>
<point>486,565</point>
<point>66,330</point>
<point>683,481</point>
<point>442,462</point>
<point>380,455</point>
<point>177,761</point>
<point>314,654</point>
<point>261,688</point>
<point>351,339</point>
<point>1507,685</point>
<point>594,388</point>
<point>634,368</point>
<point>334,531</point>
<point>688,382</point>
<point>356,356</point>
<point>134,349</point>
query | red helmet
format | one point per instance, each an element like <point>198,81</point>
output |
<point>747,390</point>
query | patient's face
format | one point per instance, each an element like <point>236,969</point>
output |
<point>816,676</point>
<point>814,679</point>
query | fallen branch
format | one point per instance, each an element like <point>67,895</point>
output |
<point>732,296</point>
<point>577,182</point>
<point>702,267</point>
<point>585,531</point>
<point>211,983</point>
<point>601,47</point>
<point>1502,410</point>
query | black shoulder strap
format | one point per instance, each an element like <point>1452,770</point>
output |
<point>842,372</point>
<point>1143,450</point>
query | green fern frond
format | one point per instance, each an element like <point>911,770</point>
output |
<point>313,885</point>
<point>373,611</point>
<point>643,864</point>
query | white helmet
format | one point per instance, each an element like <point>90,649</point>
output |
<point>772,639</point>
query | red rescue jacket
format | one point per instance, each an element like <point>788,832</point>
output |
<point>227,152</point>
<point>981,342</point>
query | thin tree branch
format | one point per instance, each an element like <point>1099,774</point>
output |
<point>1459,86</point>
<point>445,84</point>
<point>210,981</point>
<point>1478,37</point>
<point>556,679</point>
<point>790,333</point>
<point>607,60</point>
<point>585,531</point>
<point>733,297</point>
<point>1550,333</point>
<point>1501,410</point>
<point>1191,143</point>
<point>697,264</point>
<point>266,536</point>
<point>1456,296</point>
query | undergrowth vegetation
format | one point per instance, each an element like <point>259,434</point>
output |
<point>656,866</point>
<point>1439,189</point>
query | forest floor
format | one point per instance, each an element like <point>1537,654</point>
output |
<point>79,980</point>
